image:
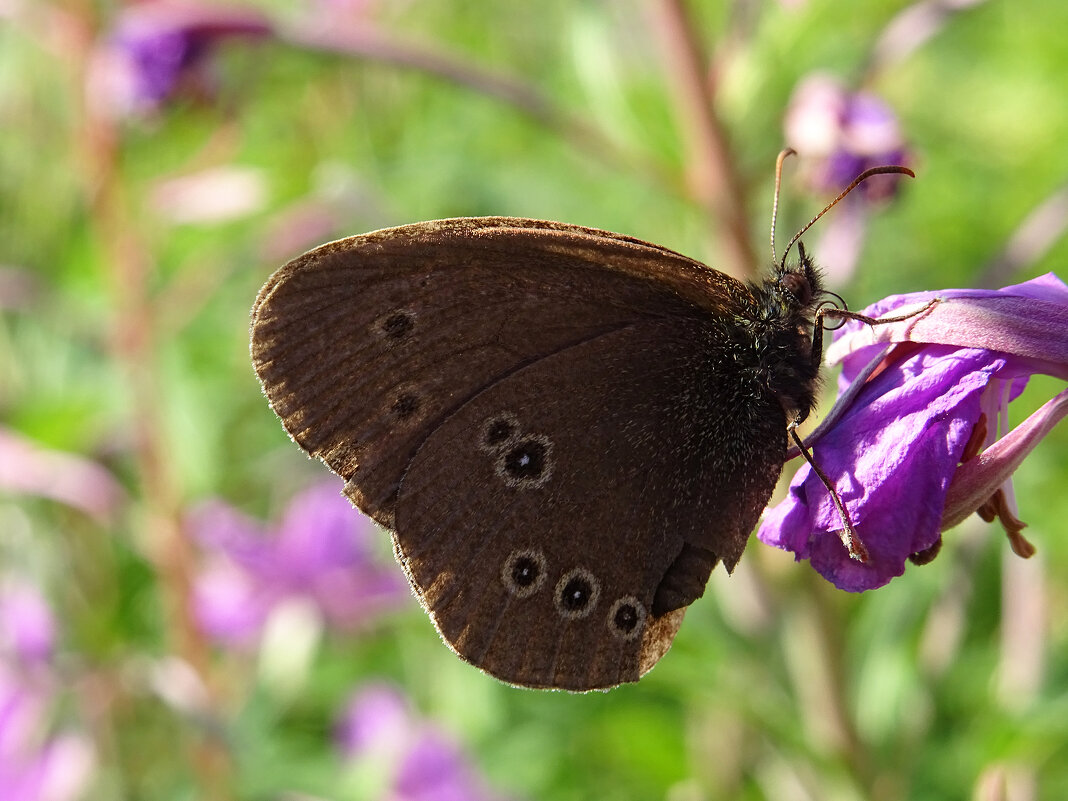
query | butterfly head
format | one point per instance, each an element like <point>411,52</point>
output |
<point>800,285</point>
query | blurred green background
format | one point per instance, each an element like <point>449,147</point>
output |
<point>134,234</point>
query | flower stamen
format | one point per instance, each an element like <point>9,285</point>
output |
<point>997,507</point>
<point>976,441</point>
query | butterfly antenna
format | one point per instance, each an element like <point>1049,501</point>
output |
<point>884,170</point>
<point>775,200</point>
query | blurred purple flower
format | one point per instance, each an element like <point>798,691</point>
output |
<point>27,628</point>
<point>838,135</point>
<point>415,761</point>
<point>918,401</point>
<point>159,46</point>
<point>36,763</point>
<point>322,551</point>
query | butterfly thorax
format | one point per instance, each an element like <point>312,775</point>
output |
<point>780,334</point>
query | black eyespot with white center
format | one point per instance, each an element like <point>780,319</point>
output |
<point>626,618</point>
<point>523,572</point>
<point>577,593</point>
<point>527,463</point>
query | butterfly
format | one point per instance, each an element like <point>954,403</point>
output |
<point>564,429</point>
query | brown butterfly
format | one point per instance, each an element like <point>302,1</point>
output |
<point>564,429</point>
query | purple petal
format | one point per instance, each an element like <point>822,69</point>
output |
<point>814,117</point>
<point>841,168</point>
<point>893,441</point>
<point>1029,321</point>
<point>906,430</point>
<point>229,606</point>
<point>376,719</point>
<point>435,769</point>
<point>60,771</point>
<point>22,714</point>
<point>977,479</point>
<point>220,528</point>
<point>839,134</point>
<point>870,129</point>
<point>323,551</point>
<point>27,628</point>
<point>321,530</point>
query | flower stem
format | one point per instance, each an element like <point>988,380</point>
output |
<point>714,181</point>
<point>133,341</point>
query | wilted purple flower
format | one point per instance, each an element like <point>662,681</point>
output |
<point>415,761</point>
<point>918,401</point>
<point>322,551</point>
<point>158,46</point>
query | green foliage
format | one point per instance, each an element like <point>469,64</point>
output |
<point>776,687</point>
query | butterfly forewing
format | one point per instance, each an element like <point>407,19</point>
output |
<point>537,410</point>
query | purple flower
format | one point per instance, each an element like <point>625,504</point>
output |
<point>919,436</point>
<point>413,760</point>
<point>322,551</point>
<point>839,134</point>
<point>27,628</point>
<point>36,762</point>
<point>159,46</point>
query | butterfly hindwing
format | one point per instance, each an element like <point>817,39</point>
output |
<point>599,465</point>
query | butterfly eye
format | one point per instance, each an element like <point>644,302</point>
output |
<point>626,618</point>
<point>523,573</point>
<point>798,286</point>
<point>527,463</point>
<point>577,593</point>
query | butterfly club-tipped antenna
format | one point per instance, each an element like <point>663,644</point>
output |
<point>886,169</point>
<point>783,155</point>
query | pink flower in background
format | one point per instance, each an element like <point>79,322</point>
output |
<point>838,134</point>
<point>919,437</point>
<point>30,469</point>
<point>37,763</point>
<point>27,628</point>
<point>413,760</point>
<point>322,550</point>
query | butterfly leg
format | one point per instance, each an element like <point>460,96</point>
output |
<point>849,535</point>
<point>850,539</point>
